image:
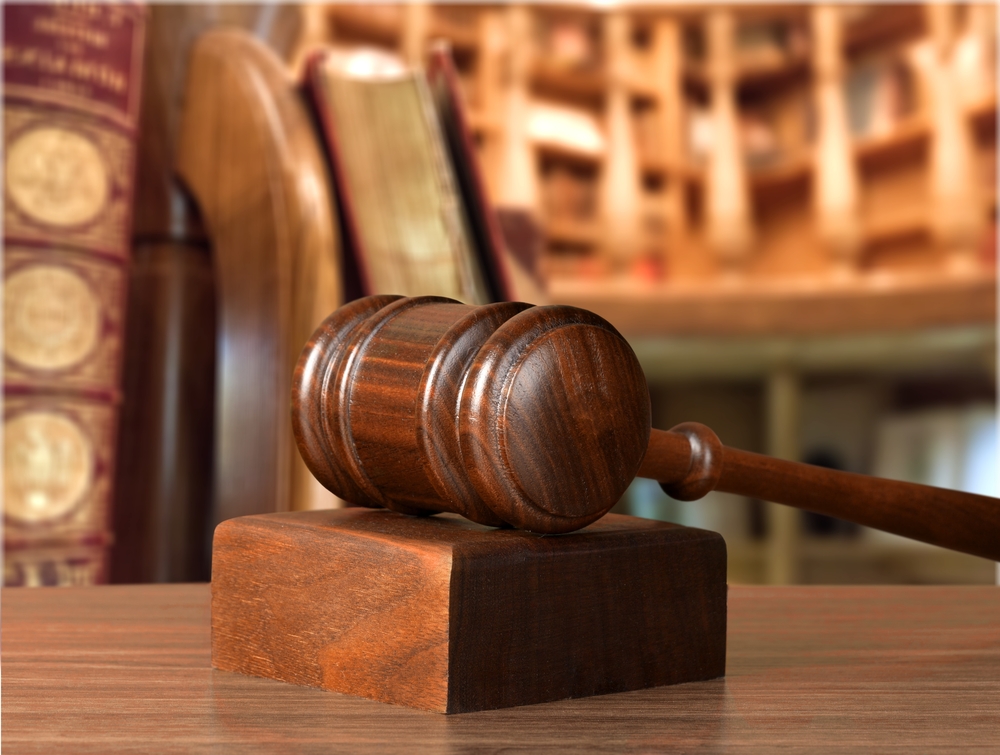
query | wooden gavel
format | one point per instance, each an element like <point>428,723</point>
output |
<point>539,417</point>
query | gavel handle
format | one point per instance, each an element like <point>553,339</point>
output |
<point>689,461</point>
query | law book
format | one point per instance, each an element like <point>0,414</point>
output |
<point>410,197</point>
<point>71,106</point>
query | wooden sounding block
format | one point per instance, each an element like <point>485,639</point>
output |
<point>443,614</point>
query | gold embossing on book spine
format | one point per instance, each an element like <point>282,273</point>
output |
<point>68,180</point>
<point>71,104</point>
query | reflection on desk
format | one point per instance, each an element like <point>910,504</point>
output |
<point>126,669</point>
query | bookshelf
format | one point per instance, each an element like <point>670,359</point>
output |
<point>732,188</point>
<point>639,77</point>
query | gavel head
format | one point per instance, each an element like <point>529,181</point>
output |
<point>509,414</point>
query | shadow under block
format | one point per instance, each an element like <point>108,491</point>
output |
<point>443,614</point>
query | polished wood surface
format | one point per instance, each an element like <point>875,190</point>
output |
<point>164,474</point>
<point>171,33</point>
<point>824,669</point>
<point>536,417</point>
<point>442,614</point>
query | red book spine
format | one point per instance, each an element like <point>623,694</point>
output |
<point>71,104</point>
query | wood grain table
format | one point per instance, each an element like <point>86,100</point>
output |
<point>832,669</point>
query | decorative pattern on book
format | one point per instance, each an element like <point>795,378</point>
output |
<point>56,462</point>
<point>62,324</point>
<point>68,180</point>
<point>86,58</point>
<point>71,102</point>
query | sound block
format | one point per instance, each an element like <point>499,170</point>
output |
<point>442,614</point>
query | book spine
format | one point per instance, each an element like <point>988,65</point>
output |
<point>356,274</point>
<point>443,81</point>
<point>71,106</point>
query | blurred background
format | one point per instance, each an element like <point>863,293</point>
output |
<point>789,211</point>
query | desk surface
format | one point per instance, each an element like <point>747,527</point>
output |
<point>126,669</point>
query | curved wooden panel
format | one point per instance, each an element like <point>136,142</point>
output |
<point>248,153</point>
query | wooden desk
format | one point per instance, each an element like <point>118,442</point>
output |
<point>126,669</point>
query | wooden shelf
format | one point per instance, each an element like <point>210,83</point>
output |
<point>772,73</point>
<point>789,307</point>
<point>912,133</point>
<point>659,168</point>
<point>785,174</point>
<point>750,74</point>
<point>984,112</point>
<point>775,177</point>
<point>590,85</point>
<point>460,36</point>
<point>908,135</point>
<point>376,25</point>
<point>568,153</point>
<point>570,83</point>
<point>583,233</point>
<point>902,225</point>
<point>379,25</point>
<point>643,87</point>
<point>480,123</point>
<point>885,25</point>
<point>890,166</point>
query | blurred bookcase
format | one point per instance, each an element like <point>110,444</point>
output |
<point>765,199</point>
<point>675,145</point>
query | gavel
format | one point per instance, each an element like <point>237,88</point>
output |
<point>538,417</point>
